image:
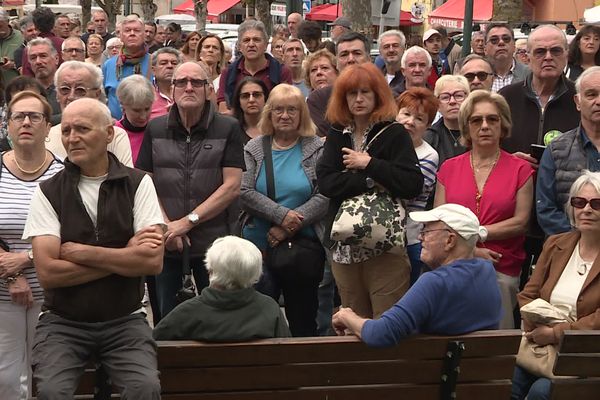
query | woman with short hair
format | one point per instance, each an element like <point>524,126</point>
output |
<point>229,309</point>
<point>362,111</point>
<point>136,95</point>
<point>320,69</point>
<point>95,45</point>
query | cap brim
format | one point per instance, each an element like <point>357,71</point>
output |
<point>423,216</point>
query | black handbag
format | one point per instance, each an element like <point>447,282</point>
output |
<point>296,259</point>
<point>188,289</point>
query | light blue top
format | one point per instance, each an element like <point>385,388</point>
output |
<point>292,189</point>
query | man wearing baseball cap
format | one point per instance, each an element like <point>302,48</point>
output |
<point>432,41</point>
<point>340,26</point>
<point>459,295</point>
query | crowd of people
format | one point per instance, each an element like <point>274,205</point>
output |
<point>464,173</point>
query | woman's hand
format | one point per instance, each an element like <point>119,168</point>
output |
<point>276,235</point>
<point>347,322</point>
<point>355,159</point>
<point>292,222</point>
<point>20,292</point>
<point>11,263</point>
<point>487,254</point>
<point>541,335</point>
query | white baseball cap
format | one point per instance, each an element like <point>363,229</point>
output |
<point>457,217</point>
<point>429,33</point>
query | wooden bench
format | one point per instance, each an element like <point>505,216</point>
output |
<point>579,356</point>
<point>472,366</point>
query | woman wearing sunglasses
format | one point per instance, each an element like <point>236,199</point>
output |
<point>496,186</point>
<point>567,274</point>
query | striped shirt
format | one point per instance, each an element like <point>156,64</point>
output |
<point>15,197</point>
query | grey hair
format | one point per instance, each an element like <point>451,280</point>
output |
<point>393,32</point>
<point>95,12</point>
<point>249,25</point>
<point>233,263</point>
<point>95,104</point>
<point>472,57</point>
<point>587,72</point>
<point>586,178</point>
<point>415,50</point>
<point>132,18</point>
<point>26,20</point>
<point>72,39</point>
<point>204,68</point>
<point>135,90</point>
<point>3,15</point>
<point>166,50</point>
<point>548,26</point>
<point>39,42</point>
<point>95,73</point>
<point>444,79</point>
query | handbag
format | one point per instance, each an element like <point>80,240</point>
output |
<point>372,220</point>
<point>296,259</point>
<point>188,289</point>
<point>534,358</point>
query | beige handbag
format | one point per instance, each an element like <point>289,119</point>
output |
<point>534,358</point>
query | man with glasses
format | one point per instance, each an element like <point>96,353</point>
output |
<point>75,80</point>
<point>568,154</point>
<point>196,160</point>
<point>73,49</point>
<point>391,48</point>
<point>479,72</point>
<point>458,296</point>
<point>500,50</point>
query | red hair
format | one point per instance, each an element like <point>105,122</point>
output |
<point>418,97</point>
<point>355,77</point>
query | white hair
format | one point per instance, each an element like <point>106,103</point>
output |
<point>587,72</point>
<point>72,39</point>
<point>393,32</point>
<point>95,74</point>
<point>233,263</point>
<point>586,178</point>
<point>415,50</point>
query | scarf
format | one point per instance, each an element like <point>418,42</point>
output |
<point>135,59</point>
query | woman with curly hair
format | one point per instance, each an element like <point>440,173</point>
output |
<point>583,51</point>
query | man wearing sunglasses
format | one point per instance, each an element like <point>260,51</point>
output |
<point>196,160</point>
<point>567,155</point>
<point>479,71</point>
<point>500,49</point>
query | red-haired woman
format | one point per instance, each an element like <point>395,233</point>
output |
<point>361,105</point>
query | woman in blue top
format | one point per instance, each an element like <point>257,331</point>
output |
<point>298,208</point>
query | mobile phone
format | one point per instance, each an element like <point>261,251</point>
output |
<point>537,150</point>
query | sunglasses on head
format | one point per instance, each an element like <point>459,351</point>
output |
<point>580,202</point>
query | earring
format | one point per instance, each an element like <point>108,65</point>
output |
<point>47,139</point>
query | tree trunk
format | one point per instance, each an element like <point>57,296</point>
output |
<point>148,10</point>
<point>359,14</point>
<point>263,13</point>
<point>200,11</point>
<point>508,10</point>
<point>112,8</point>
<point>86,13</point>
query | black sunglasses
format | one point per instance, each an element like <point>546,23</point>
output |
<point>580,202</point>
<point>482,76</point>
<point>496,39</point>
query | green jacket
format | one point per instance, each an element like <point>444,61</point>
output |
<point>224,316</point>
<point>7,49</point>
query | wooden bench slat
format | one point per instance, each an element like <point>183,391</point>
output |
<point>575,341</point>
<point>575,389</point>
<point>578,365</point>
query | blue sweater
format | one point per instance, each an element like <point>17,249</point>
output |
<point>457,298</point>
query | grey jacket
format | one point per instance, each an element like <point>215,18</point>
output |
<point>259,205</point>
<point>520,72</point>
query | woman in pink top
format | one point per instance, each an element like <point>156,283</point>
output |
<point>495,185</point>
<point>136,95</point>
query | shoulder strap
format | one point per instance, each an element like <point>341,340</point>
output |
<point>268,160</point>
<point>377,134</point>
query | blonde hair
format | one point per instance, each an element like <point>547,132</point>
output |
<point>282,92</point>
<point>467,107</point>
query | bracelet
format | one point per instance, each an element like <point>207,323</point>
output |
<point>13,278</point>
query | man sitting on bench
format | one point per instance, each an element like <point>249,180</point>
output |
<point>460,295</point>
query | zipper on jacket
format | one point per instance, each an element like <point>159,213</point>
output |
<point>186,185</point>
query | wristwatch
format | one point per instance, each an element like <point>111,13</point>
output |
<point>193,218</point>
<point>370,182</point>
<point>483,233</point>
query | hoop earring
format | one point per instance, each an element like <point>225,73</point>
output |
<point>47,140</point>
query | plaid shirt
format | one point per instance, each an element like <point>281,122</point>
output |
<point>501,81</point>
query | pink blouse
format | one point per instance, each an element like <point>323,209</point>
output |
<point>498,200</point>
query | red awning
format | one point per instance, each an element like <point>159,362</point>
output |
<point>329,12</point>
<point>215,8</point>
<point>452,13</point>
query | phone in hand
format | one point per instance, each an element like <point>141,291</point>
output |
<point>537,150</point>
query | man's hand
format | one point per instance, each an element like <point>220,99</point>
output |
<point>276,235</point>
<point>149,236</point>
<point>541,335</point>
<point>20,292</point>
<point>71,251</point>
<point>355,159</point>
<point>7,64</point>
<point>292,222</point>
<point>11,263</point>
<point>527,157</point>
<point>175,243</point>
<point>487,254</point>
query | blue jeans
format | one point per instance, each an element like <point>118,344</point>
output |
<point>416,265</point>
<point>169,281</point>
<point>525,384</point>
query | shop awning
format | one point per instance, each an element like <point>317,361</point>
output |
<point>329,12</point>
<point>452,13</point>
<point>215,8</point>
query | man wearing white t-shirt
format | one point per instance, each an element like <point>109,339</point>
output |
<point>97,230</point>
<point>391,48</point>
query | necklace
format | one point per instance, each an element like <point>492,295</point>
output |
<point>582,266</point>
<point>456,138</point>
<point>478,193</point>
<point>277,146</point>
<point>32,171</point>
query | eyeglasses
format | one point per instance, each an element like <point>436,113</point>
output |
<point>580,202</point>
<point>490,119</point>
<point>496,39</point>
<point>79,91</point>
<point>482,76</point>
<point>458,96</point>
<point>292,111</point>
<point>256,95</point>
<point>91,31</point>
<point>422,234</point>
<point>182,83</point>
<point>521,51</point>
<point>114,47</point>
<point>79,51</point>
<point>34,117</point>
<point>541,52</point>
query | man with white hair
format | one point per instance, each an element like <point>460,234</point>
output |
<point>73,49</point>
<point>459,295</point>
<point>229,309</point>
<point>568,155</point>
<point>97,231</point>
<point>391,47</point>
<point>416,67</point>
